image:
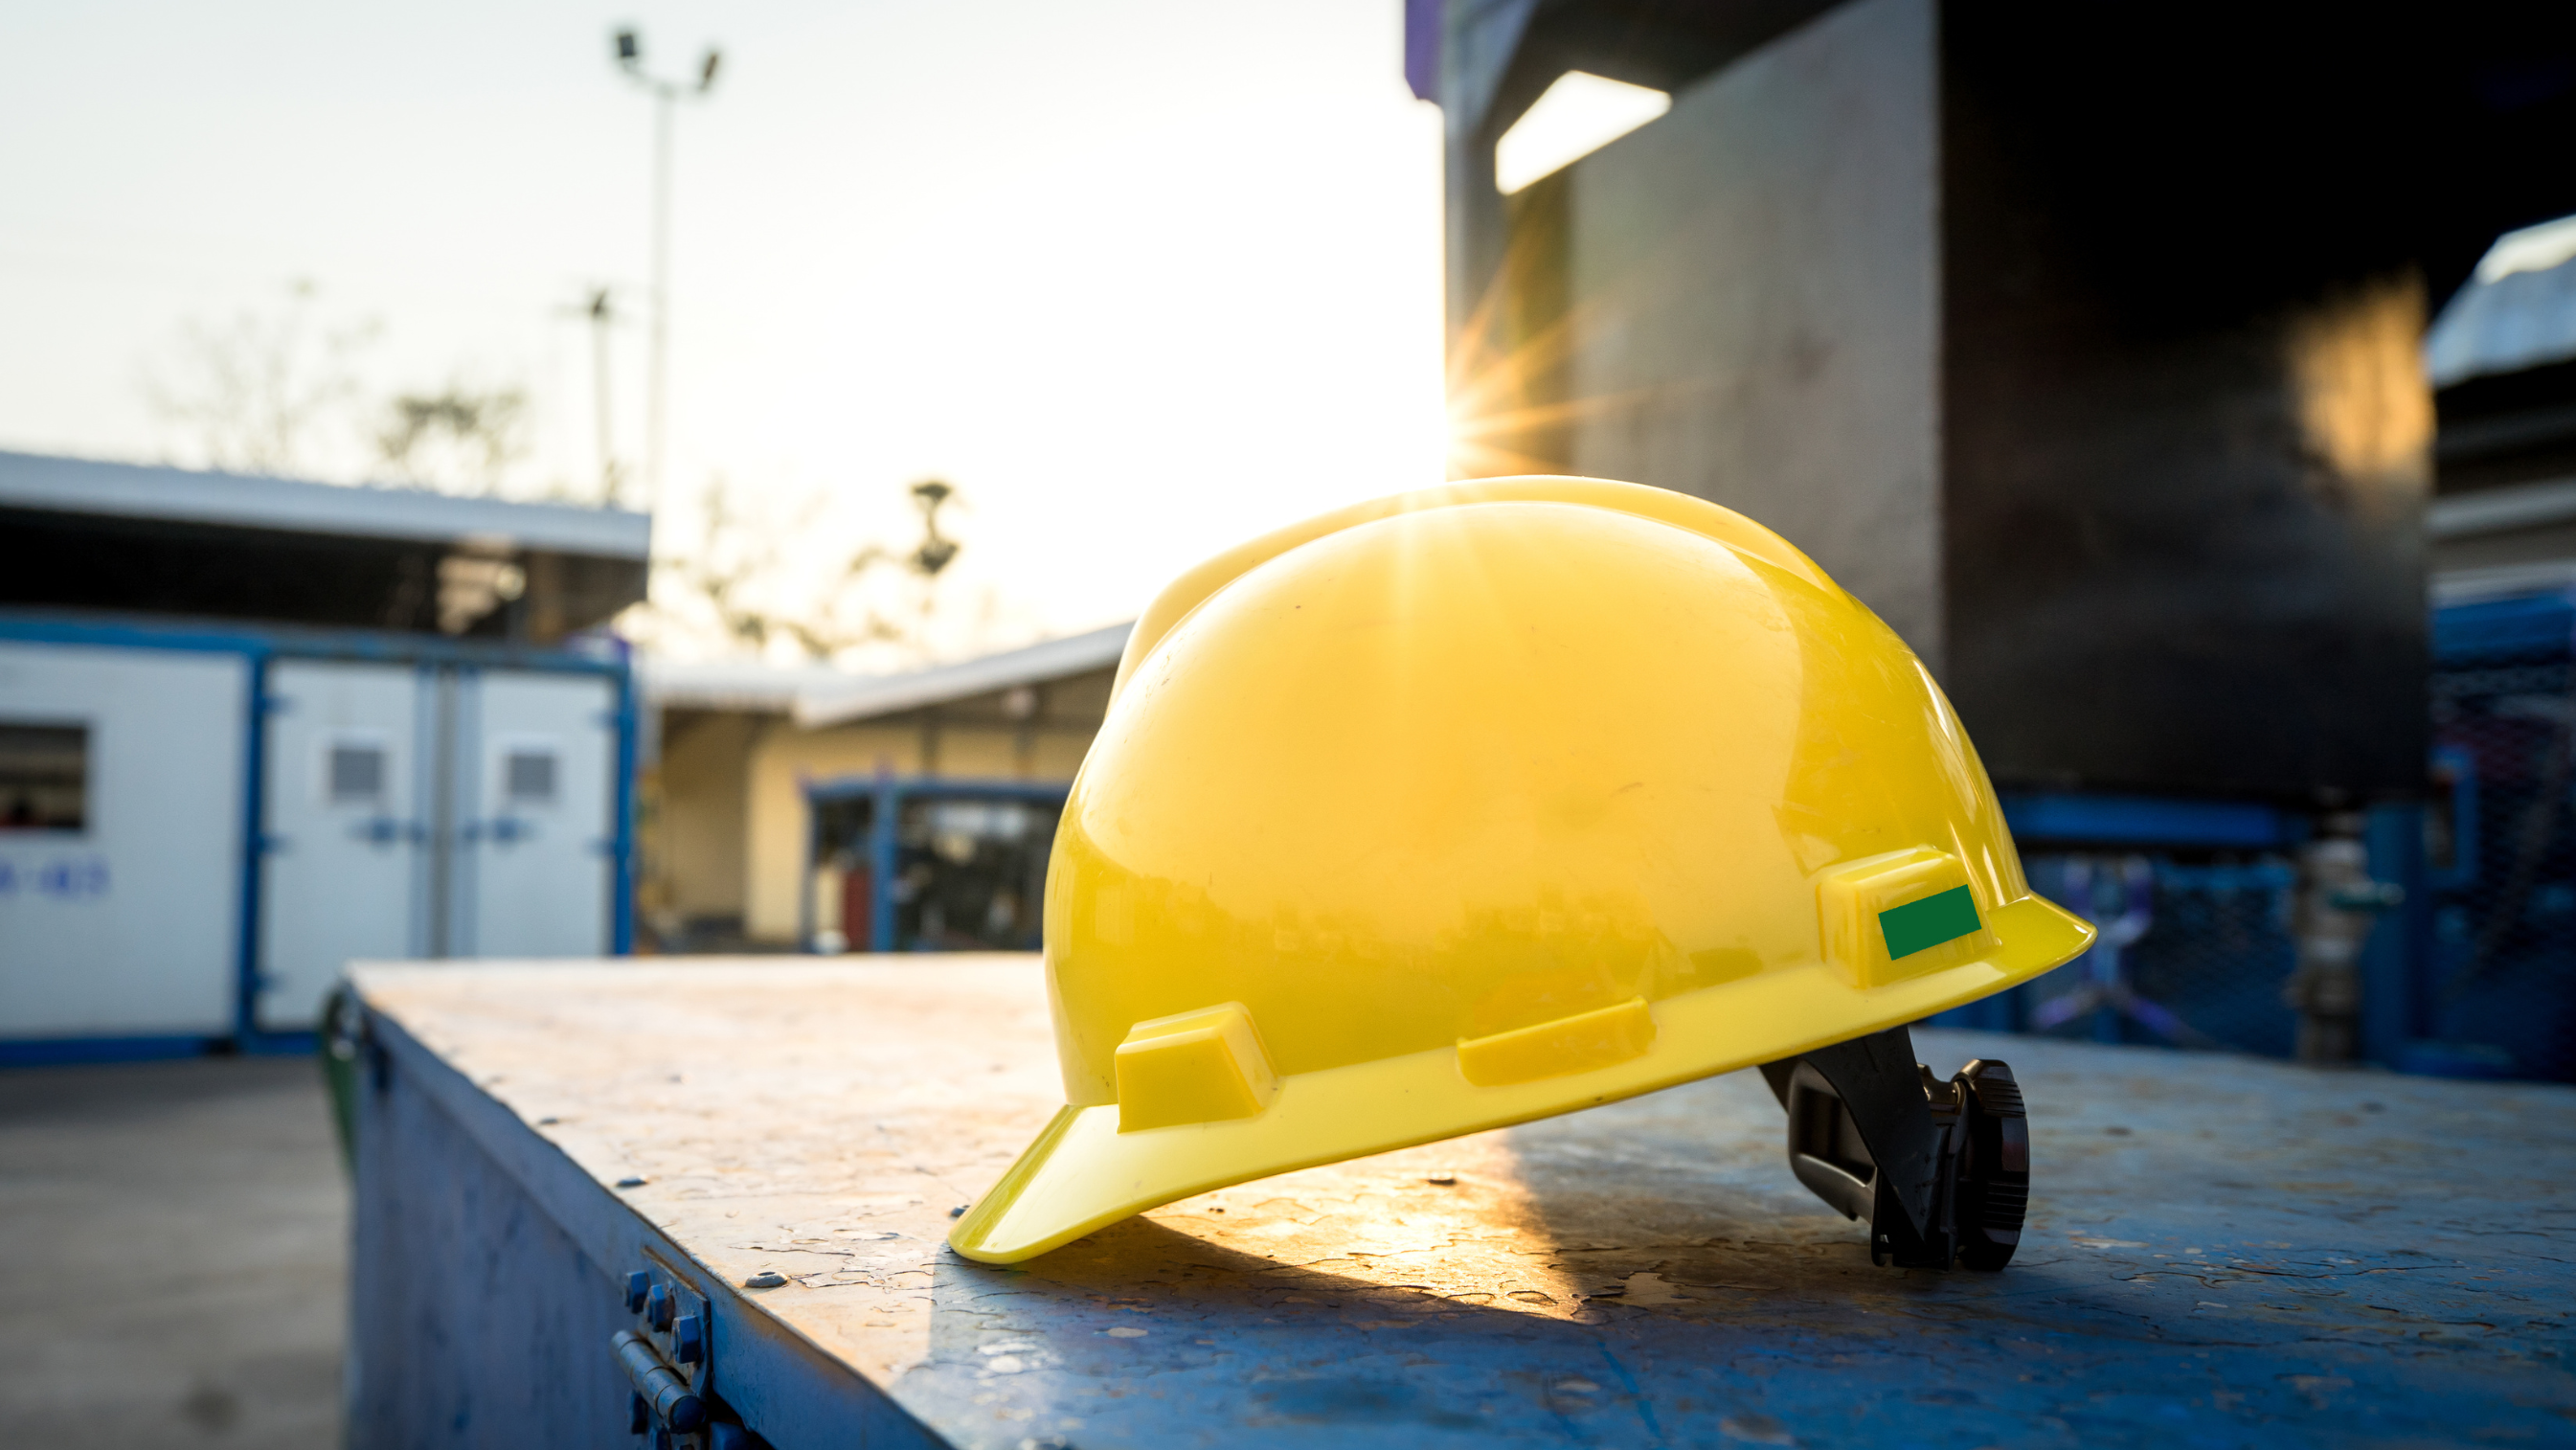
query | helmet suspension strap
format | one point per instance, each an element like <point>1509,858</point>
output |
<point>1941,1169</point>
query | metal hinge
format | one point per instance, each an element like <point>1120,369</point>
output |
<point>669,1359</point>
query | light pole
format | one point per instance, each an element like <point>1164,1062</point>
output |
<point>599,322</point>
<point>666,98</point>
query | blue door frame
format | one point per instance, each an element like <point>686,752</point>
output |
<point>888,793</point>
<point>260,646</point>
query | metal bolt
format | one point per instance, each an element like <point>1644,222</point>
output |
<point>637,1284</point>
<point>688,1340</point>
<point>657,1307</point>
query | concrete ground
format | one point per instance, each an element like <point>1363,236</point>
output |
<point>176,1255</point>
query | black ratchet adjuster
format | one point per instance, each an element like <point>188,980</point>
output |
<point>1940,1169</point>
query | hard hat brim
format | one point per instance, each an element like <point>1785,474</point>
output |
<point>1083,1174</point>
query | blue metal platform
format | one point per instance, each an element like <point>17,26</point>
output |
<point>2224,1251</point>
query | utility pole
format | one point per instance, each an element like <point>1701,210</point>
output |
<point>599,323</point>
<point>666,98</point>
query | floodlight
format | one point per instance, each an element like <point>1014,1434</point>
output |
<point>667,94</point>
<point>1579,115</point>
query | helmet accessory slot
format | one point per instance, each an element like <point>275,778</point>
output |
<point>1900,915</point>
<point>1193,1067</point>
<point>1579,1043</point>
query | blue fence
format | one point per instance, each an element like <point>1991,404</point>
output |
<point>2474,975</point>
<point>2191,955</point>
<point>2501,975</point>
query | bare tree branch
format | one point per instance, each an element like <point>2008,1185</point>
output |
<point>458,441</point>
<point>254,392</point>
<point>741,575</point>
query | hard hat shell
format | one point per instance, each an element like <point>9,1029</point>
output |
<point>1483,803</point>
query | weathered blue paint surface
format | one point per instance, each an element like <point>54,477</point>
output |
<point>486,1282</point>
<point>2227,1253</point>
<point>474,1317</point>
<point>2223,1252</point>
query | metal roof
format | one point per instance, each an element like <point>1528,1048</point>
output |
<point>2503,325</point>
<point>868,698</point>
<point>819,695</point>
<point>745,685</point>
<point>88,486</point>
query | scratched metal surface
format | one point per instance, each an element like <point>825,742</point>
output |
<point>2222,1251</point>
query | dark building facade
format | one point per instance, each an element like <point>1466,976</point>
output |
<point>2080,342</point>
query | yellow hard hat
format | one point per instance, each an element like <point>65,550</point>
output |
<point>1483,803</point>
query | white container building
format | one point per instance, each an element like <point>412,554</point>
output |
<point>252,729</point>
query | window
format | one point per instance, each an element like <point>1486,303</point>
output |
<point>970,874</point>
<point>354,774</point>
<point>528,777</point>
<point>44,776</point>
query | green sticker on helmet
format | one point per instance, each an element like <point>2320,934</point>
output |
<point>1920,925</point>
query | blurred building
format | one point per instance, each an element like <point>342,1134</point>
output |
<point>789,808</point>
<point>2502,531</point>
<point>2084,345</point>
<point>253,728</point>
<point>2502,361</point>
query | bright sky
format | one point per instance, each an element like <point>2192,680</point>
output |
<point>1142,277</point>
